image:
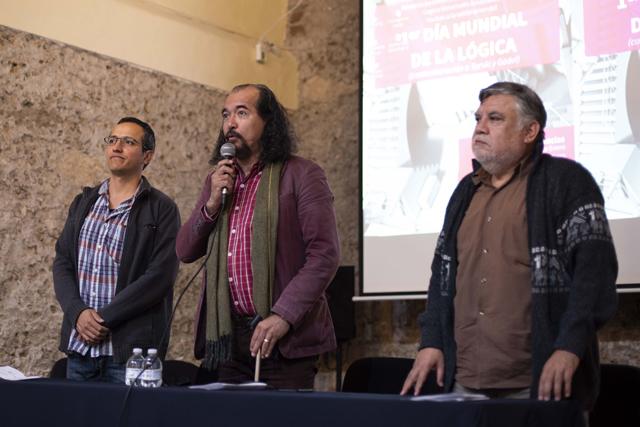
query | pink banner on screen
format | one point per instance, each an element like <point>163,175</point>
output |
<point>611,26</point>
<point>419,40</point>
<point>558,142</point>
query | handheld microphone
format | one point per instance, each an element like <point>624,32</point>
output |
<point>227,151</point>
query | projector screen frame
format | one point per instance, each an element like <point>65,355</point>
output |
<point>362,294</point>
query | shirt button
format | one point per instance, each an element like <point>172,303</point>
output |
<point>485,251</point>
<point>241,185</point>
<point>482,313</point>
<point>229,254</point>
<point>237,208</point>
<point>483,281</point>
<point>94,293</point>
<point>230,279</point>
<point>236,303</point>
<point>95,270</point>
<point>233,231</point>
<point>489,219</point>
<point>99,246</point>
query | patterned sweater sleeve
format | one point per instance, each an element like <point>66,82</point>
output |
<point>590,262</point>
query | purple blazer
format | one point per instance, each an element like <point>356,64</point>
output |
<point>307,257</point>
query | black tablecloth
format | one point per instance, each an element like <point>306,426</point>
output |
<point>44,403</point>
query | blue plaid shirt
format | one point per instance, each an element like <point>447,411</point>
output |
<point>100,249</point>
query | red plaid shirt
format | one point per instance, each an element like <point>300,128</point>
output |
<point>240,227</point>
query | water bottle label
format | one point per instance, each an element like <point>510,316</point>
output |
<point>131,375</point>
<point>151,375</point>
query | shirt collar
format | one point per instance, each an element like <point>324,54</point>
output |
<point>104,192</point>
<point>481,176</point>
<point>255,169</point>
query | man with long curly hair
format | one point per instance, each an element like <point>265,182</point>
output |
<point>272,248</point>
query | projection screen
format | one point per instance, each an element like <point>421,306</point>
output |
<point>423,63</point>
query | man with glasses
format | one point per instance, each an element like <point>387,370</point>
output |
<point>115,262</point>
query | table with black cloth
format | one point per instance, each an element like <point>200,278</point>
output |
<point>45,402</point>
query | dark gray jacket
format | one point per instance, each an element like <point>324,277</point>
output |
<point>573,271</point>
<point>141,307</point>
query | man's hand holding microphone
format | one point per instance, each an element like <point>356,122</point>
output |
<point>222,179</point>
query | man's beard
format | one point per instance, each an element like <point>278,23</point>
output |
<point>496,164</point>
<point>242,149</point>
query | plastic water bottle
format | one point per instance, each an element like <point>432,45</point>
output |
<point>134,367</point>
<point>152,374</point>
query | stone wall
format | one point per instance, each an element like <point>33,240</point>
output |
<point>57,102</point>
<point>56,105</point>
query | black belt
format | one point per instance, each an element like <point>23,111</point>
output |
<point>246,321</point>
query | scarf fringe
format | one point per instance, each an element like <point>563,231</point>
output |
<point>217,352</point>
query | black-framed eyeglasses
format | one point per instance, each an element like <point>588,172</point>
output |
<point>112,140</point>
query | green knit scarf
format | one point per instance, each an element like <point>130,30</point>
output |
<point>263,251</point>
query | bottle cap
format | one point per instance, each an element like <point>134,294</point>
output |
<point>137,350</point>
<point>152,351</point>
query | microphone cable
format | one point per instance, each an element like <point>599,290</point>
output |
<point>167,328</point>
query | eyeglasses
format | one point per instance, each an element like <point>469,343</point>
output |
<point>112,140</point>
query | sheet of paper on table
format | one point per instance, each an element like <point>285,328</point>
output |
<point>12,374</point>
<point>450,397</point>
<point>228,386</point>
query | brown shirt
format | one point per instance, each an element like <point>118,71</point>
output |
<point>493,287</point>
